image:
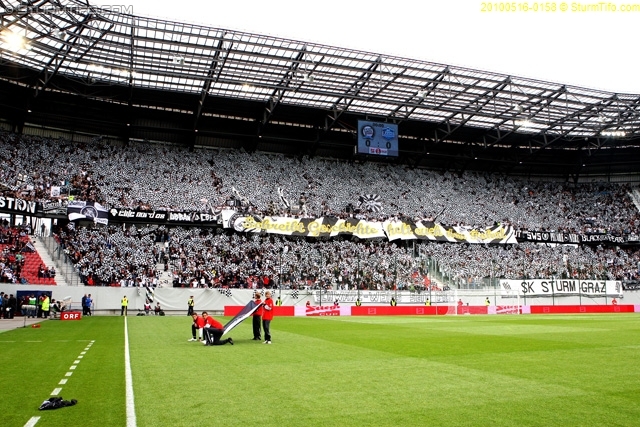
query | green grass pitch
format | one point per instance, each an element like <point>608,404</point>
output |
<point>332,371</point>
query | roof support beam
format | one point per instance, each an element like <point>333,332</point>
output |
<point>285,83</point>
<point>207,83</point>
<point>351,92</point>
<point>63,53</point>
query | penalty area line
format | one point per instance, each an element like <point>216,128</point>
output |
<point>131,409</point>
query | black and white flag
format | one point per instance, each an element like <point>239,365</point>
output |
<point>246,311</point>
<point>28,248</point>
<point>149,293</point>
<point>370,202</point>
<point>283,199</point>
<point>87,210</point>
<point>225,291</point>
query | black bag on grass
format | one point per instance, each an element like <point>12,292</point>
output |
<point>56,402</point>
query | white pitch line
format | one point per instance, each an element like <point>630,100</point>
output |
<point>131,409</point>
<point>32,422</point>
<point>56,391</point>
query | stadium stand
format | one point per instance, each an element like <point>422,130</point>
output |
<point>19,260</point>
<point>164,177</point>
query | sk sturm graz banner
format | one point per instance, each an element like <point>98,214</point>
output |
<point>563,287</point>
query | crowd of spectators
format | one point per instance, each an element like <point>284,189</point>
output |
<point>113,256</point>
<point>217,258</point>
<point>166,177</point>
<point>12,260</point>
<point>530,260</point>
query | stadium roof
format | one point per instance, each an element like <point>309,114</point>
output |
<point>228,84</point>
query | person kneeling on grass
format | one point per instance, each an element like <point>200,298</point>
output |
<point>213,331</point>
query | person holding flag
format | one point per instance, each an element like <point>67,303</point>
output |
<point>213,330</point>
<point>257,317</point>
<point>267,316</point>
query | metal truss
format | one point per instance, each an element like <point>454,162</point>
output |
<point>71,38</point>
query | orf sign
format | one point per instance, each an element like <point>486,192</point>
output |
<point>71,315</point>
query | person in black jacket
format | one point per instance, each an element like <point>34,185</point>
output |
<point>257,317</point>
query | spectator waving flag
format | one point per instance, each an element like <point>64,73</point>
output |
<point>283,199</point>
<point>370,202</point>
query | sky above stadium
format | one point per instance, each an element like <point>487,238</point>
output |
<point>591,45</point>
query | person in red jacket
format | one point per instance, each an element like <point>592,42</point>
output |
<point>213,330</point>
<point>267,316</point>
<point>198,325</point>
<point>257,317</point>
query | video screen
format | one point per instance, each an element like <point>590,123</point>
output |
<point>378,139</point>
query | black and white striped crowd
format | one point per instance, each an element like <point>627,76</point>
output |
<point>166,177</point>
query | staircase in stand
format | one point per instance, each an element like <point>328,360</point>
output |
<point>33,261</point>
<point>45,259</point>
<point>165,278</point>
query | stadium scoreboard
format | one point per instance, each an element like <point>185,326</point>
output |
<point>377,139</point>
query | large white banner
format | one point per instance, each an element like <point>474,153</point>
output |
<point>562,287</point>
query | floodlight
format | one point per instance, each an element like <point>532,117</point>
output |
<point>15,42</point>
